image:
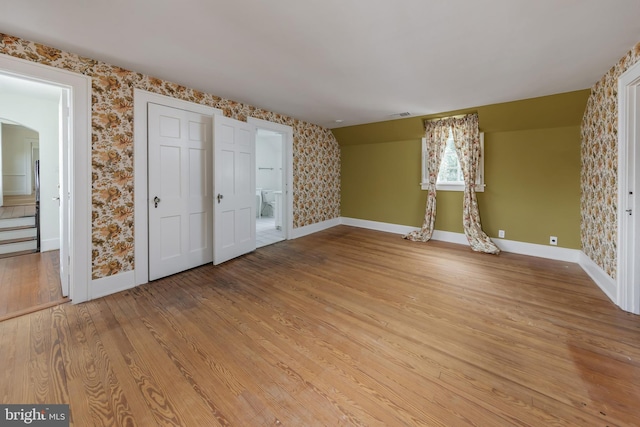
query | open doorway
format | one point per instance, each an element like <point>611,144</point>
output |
<point>270,180</point>
<point>33,123</point>
<point>19,206</point>
<point>75,192</point>
<point>274,211</point>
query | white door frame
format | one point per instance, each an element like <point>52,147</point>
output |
<point>287,146</point>
<point>1,193</point>
<point>33,144</point>
<point>140,181</point>
<point>628,272</point>
<point>80,141</point>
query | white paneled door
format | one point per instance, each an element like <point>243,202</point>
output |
<point>180,190</point>
<point>64,180</point>
<point>234,188</point>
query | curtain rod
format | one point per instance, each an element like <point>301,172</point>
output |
<point>459,116</point>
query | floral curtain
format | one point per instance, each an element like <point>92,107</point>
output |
<point>436,134</point>
<point>466,137</point>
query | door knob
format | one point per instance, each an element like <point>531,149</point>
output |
<point>219,197</point>
<point>156,200</point>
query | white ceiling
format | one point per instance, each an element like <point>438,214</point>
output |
<point>354,60</point>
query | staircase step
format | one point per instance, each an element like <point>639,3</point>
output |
<point>17,240</point>
<point>18,222</point>
<point>19,246</point>
<point>12,254</point>
<point>13,233</point>
<point>22,227</point>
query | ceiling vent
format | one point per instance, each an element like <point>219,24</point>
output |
<point>403,114</point>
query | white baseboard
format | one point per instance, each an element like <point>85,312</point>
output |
<point>450,236</point>
<point>531,249</point>
<point>378,226</point>
<point>542,251</point>
<point>600,277</point>
<point>49,245</point>
<point>314,228</point>
<point>123,281</point>
<point>111,284</point>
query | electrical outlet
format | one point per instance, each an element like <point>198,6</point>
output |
<point>553,240</point>
<point>501,234</point>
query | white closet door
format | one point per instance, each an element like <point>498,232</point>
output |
<point>180,190</point>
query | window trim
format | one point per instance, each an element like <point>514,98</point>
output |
<point>454,186</point>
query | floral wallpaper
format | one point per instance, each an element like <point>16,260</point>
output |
<point>316,157</point>
<point>599,175</point>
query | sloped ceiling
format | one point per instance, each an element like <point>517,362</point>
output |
<point>350,60</point>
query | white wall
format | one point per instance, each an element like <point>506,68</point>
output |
<point>16,159</point>
<point>269,156</point>
<point>41,115</point>
<point>1,198</point>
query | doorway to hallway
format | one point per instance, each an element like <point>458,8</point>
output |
<point>69,204</point>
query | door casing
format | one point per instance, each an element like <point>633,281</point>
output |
<point>287,133</point>
<point>628,267</point>
<point>79,195</point>
<point>140,154</point>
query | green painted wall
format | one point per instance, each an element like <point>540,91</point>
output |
<point>532,171</point>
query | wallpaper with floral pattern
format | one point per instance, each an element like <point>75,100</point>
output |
<point>316,157</point>
<point>599,174</point>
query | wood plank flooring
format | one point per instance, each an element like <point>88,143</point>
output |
<point>28,283</point>
<point>343,327</point>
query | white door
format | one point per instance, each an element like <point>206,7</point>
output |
<point>64,190</point>
<point>235,188</point>
<point>180,196</point>
<point>628,297</point>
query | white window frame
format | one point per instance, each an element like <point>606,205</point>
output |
<point>453,185</point>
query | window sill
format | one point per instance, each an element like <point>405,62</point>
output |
<point>452,187</point>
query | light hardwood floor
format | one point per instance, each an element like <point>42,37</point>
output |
<point>343,327</point>
<point>29,282</point>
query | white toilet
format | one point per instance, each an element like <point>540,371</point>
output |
<point>268,203</point>
<point>258,202</point>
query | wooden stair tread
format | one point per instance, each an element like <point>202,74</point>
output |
<point>12,254</point>
<point>21,227</point>
<point>9,212</point>
<point>22,239</point>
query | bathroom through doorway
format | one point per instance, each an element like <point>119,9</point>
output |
<point>270,187</point>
